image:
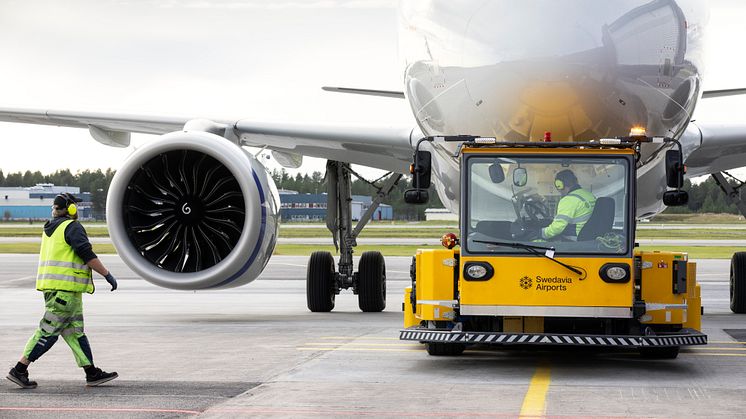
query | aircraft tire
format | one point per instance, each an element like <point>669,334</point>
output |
<point>444,349</point>
<point>660,353</point>
<point>320,295</point>
<point>738,283</point>
<point>371,286</point>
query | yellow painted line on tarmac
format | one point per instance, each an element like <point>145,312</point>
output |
<point>358,337</point>
<point>707,348</point>
<point>534,403</point>
<point>406,345</point>
<point>360,349</point>
<point>726,342</point>
<point>712,354</point>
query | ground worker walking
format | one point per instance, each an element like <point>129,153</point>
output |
<point>65,263</point>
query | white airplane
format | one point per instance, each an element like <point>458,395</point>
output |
<point>193,210</point>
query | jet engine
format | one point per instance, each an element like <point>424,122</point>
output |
<point>191,210</point>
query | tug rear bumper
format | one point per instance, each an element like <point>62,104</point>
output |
<point>685,337</point>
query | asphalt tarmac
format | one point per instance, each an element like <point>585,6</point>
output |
<point>256,351</point>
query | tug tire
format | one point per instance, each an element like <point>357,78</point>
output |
<point>444,349</point>
<point>738,283</point>
<point>670,352</point>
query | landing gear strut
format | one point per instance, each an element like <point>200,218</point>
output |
<point>369,283</point>
<point>738,261</point>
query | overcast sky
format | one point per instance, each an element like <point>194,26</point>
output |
<point>231,59</point>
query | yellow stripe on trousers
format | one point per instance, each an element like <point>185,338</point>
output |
<point>534,404</point>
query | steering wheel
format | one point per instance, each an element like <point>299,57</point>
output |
<point>532,204</point>
<point>536,208</point>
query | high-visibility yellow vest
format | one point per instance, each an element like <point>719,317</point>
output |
<point>574,208</point>
<point>59,267</point>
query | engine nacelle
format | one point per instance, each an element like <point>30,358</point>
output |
<point>191,210</point>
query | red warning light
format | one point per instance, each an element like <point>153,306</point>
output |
<point>547,137</point>
<point>449,240</point>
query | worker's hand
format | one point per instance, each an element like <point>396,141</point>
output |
<point>110,279</point>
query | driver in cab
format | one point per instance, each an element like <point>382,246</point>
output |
<point>573,210</point>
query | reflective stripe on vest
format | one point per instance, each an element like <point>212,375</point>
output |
<point>570,212</point>
<point>63,264</point>
<point>60,268</point>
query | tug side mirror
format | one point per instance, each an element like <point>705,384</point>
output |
<point>520,177</point>
<point>416,196</point>
<point>497,174</point>
<point>675,198</point>
<point>420,169</point>
<point>674,169</point>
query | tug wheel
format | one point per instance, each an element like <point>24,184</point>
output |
<point>670,352</point>
<point>320,293</point>
<point>738,283</point>
<point>444,349</point>
<point>371,286</point>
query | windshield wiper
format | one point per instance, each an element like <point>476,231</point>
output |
<point>533,249</point>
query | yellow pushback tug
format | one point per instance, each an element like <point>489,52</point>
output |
<point>512,282</point>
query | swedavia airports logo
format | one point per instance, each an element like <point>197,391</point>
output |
<point>554,283</point>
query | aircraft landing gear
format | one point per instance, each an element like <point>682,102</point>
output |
<point>320,289</point>
<point>369,283</point>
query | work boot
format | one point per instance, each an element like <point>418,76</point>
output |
<point>97,377</point>
<point>20,378</point>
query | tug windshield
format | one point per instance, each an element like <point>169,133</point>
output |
<point>572,204</point>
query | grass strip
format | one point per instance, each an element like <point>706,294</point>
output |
<point>425,232</point>
<point>101,248</point>
<point>36,232</point>
<point>695,252</point>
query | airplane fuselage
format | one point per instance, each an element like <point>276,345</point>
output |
<point>580,69</point>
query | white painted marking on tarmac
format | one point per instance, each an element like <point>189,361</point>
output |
<point>23,278</point>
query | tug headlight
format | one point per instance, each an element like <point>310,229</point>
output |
<point>478,271</point>
<point>615,273</point>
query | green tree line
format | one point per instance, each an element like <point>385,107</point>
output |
<point>705,197</point>
<point>94,181</point>
<point>97,183</point>
<point>315,184</point>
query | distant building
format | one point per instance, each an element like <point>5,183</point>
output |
<point>440,214</point>
<point>312,207</point>
<point>35,203</point>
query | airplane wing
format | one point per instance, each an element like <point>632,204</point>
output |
<point>720,147</point>
<point>388,148</point>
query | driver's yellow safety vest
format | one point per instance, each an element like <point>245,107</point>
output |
<point>574,208</point>
<point>60,268</point>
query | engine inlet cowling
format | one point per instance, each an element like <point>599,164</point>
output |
<point>193,211</point>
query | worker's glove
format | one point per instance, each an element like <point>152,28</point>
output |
<point>110,279</point>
